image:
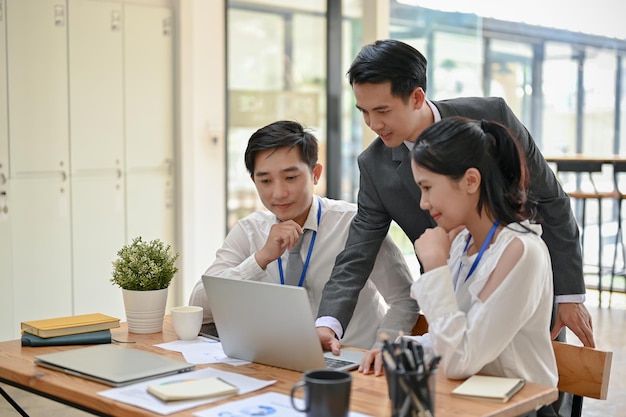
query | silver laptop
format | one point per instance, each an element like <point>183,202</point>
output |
<point>112,365</point>
<point>270,324</point>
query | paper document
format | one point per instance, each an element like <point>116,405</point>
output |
<point>269,403</point>
<point>201,350</point>
<point>138,395</point>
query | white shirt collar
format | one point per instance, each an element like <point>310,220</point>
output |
<point>436,117</point>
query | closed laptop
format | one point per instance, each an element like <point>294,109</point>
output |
<point>112,365</point>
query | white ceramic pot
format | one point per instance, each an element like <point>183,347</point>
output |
<point>145,310</point>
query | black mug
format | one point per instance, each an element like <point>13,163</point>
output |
<point>326,393</point>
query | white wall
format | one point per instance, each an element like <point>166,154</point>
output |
<point>201,148</point>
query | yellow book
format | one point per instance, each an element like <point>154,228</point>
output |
<point>62,326</point>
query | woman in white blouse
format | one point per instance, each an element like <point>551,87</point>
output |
<point>487,287</point>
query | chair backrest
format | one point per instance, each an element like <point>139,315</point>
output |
<point>421,326</point>
<point>582,371</point>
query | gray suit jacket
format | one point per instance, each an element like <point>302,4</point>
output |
<point>387,192</point>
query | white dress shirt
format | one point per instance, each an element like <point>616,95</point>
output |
<point>508,334</point>
<point>384,303</point>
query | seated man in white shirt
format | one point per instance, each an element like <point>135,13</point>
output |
<point>282,160</point>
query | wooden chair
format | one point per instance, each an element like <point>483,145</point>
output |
<point>421,326</point>
<point>583,372</point>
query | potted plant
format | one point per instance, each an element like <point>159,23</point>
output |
<point>144,271</point>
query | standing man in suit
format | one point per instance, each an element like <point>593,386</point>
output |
<point>388,79</point>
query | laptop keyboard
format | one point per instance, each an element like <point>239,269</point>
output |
<point>336,363</point>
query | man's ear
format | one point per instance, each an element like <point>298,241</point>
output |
<point>317,172</point>
<point>472,179</point>
<point>419,97</point>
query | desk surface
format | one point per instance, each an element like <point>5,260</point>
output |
<point>369,393</point>
<point>577,157</point>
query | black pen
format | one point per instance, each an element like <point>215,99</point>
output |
<point>433,363</point>
<point>418,352</point>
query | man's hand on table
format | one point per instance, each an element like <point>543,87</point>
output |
<point>328,339</point>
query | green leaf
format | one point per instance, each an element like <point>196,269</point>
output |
<point>144,266</point>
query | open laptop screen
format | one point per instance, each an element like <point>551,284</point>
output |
<point>269,323</point>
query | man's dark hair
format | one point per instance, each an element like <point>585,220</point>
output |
<point>390,61</point>
<point>280,134</point>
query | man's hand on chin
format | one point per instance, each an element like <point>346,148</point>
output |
<point>328,339</point>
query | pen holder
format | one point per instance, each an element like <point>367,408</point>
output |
<point>412,392</point>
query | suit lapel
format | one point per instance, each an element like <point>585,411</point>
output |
<point>445,110</point>
<point>401,154</point>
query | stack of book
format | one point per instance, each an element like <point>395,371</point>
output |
<point>85,329</point>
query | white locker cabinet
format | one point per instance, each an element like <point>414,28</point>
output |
<point>150,207</point>
<point>37,86</point>
<point>149,107</point>
<point>39,192</point>
<point>96,87</point>
<point>4,128</point>
<point>86,150</point>
<point>95,244</point>
<point>42,268</point>
<point>8,327</point>
<point>97,152</point>
<point>149,75</point>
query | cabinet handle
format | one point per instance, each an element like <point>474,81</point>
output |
<point>167,26</point>
<point>3,178</point>
<point>59,15</point>
<point>4,207</point>
<point>115,20</point>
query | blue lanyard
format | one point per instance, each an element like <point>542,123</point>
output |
<point>483,248</point>
<point>308,255</point>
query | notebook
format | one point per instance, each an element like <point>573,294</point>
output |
<point>270,324</point>
<point>62,326</point>
<point>492,388</point>
<point>112,364</point>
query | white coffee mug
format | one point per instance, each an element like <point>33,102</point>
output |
<point>187,321</point>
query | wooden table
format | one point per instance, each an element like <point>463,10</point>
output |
<point>577,157</point>
<point>369,393</point>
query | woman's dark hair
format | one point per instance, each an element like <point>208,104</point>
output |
<point>453,145</point>
<point>280,134</point>
<point>390,61</point>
